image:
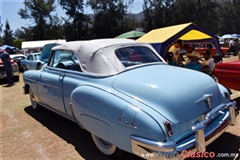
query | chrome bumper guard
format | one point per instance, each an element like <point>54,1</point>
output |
<point>164,150</point>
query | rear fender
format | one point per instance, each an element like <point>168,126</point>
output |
<point>97,111</point>
<point>111,117</point>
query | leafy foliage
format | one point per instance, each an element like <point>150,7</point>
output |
<point>113,17</point>
<point>217,16</point>
<point>7,37</point>
<point>110,18</point>
<point>39,11</point>
<point>77,25</point>
<point>18,43</point>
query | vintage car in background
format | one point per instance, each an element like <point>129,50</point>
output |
<point>127,97</point>
<point>32,62</point>
<point>46,51</point>
<point>18,58</point>
<point>15,70</point>
<point>228,74</point>
<point>203,47</point>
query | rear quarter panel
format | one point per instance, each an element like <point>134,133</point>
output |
<point>99,111</point>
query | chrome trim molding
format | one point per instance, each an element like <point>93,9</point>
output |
<point>30,79</point>
<point>161,150</point>
<point>126,124</point>
<point>204,98</point>
<point>48,85</point>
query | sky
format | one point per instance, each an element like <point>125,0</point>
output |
<point>9,9</point>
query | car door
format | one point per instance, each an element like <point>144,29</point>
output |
<point>73,78</point>
<point>29,61</point>
<point>51,82</point>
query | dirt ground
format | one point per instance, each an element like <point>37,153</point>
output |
<point>29,135</point>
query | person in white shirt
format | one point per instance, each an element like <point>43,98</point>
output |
<point>208,64</point>
<point>175,49</point>
<point>231,47</point>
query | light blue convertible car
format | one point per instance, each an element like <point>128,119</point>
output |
<point>129,99</point>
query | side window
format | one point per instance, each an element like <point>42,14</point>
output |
<point>64,60</point>
<point>30,57</point>
<point>37,56</point>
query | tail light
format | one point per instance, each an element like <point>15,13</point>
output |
<point>168,128</point>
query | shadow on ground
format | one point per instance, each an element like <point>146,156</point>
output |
<point>238,101</point>
<point>226,144</point>
<point>4,81</point>
<point>73,134</point>
<point>81,139</point>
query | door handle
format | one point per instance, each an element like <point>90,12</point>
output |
<point>62,74</point>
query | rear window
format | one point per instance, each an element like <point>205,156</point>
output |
<point>19,58</point>
<point>135,55</point>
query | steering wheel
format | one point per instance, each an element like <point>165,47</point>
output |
<point>67,58</point>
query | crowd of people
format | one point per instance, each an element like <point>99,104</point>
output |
<point>193,59</point>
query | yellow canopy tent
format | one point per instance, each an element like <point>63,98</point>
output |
<point>162,38</point>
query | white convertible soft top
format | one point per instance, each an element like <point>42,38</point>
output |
<point>98,56</point>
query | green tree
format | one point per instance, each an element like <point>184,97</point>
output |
<point>39,11</point>
<point>109,19</point>
<point>28,33</point>
<point>19,34</point>
<point>1,29</point>
<point>147,22</point>
<point>7,35</point>
<point>201,12</point>
<point>77,25</point>
<point>55,28</point>
<point>229,20</point>
<point>162,13</point>
<point>157,14</point>
<point>236,13</point>
<point>129,22</point>
<point>18,43</point>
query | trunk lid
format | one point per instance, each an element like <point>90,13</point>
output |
<point>175,93</point>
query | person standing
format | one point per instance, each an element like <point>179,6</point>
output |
<point>231,47</point>
<point>175,49</point>
<point>8,66</point>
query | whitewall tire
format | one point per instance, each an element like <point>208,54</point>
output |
<point>35,105</point>
<point>106,147</point>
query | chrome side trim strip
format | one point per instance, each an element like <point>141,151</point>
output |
<point>152,145</point>
<point>125,124</point>
<point>48,85</point>
<point>30,79</point>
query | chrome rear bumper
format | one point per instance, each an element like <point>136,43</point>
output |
<point>159,150</point>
